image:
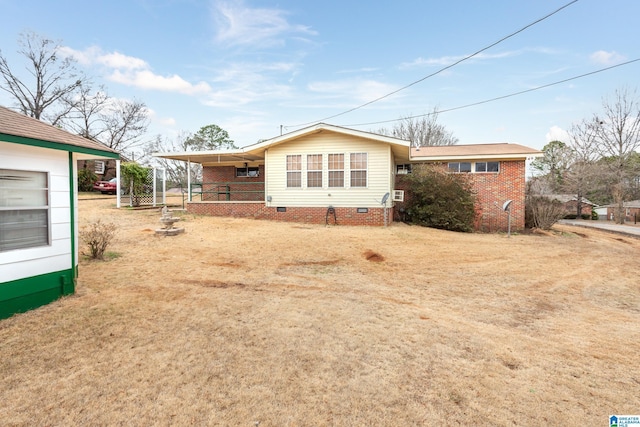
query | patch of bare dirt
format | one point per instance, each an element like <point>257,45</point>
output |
<point>373,256</point>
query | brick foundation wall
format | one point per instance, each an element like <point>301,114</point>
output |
<point>492,190</point>
<point>344,216</point>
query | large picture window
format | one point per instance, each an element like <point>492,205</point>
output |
<point>294,171</point>
<point>314,170</point>
<point>24,209</point>
<point>358,166</point>
<point>336,170</point>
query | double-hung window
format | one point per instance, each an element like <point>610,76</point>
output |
<point>358,166</point>
<point>336,170</point>
<point>314,170</point>
<point>24,209</point>
<point>294,171</point>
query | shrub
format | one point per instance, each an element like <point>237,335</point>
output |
<point>585,216</point>
<point>134,177</point>
<point>440,199</point>
<point>570,216</point>
<point>97,236</point>
<point>86,178</point>
<point>542,212</point>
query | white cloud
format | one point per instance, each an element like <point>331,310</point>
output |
<point>118,60</point>
<point>606,58</point>
<point>238,24</point>
<point>444,61</point>
<point>132,71</point>
<point>556,133</point>
<point>357,89</point>
<point>145,79</point>
<point>164,121</point>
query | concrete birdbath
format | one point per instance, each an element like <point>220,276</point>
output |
<point>168,220</point>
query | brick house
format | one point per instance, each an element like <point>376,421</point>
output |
<point>631,211</point>
<point>570,204</point>
<point>497,173</point>
<point>330,174</point>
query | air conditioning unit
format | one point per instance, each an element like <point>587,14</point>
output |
<point>398,195</point>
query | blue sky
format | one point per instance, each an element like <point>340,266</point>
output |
<point>253,66</point>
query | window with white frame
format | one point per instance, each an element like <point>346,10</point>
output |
<point>460,167</point>
<point>358,169</point>
<point>336,170</point>
<point>487,167</point>
<point>403,169</point>
<point>294,171</point>
<point>24,209</point>
<point>314,170</point>
<point>247,172</point>
<point>98,167</point>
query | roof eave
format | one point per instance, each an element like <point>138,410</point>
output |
<point>522,156</point>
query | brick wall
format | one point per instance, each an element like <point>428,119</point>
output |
<point>492,190</point>
<point>221,183</point>
<point>344,216</point>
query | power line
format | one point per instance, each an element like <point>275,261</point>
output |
<point>446,110</point>
<point>440,70</point>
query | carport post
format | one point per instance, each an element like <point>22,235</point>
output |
<point>189,180</point>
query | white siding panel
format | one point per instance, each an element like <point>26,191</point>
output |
<point>378,173</point>
<point>34,267</point>
<point>60,215</point>
<point>60,200</point>
<point>60,231</point>
<point>60,183</point>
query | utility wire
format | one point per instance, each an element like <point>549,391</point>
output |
<point>446,110</point>
<point>440,70</point>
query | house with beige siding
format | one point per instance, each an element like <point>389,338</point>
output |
<point>38,210</point>
<point>328,174</point>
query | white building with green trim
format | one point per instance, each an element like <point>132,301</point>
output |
<point>39,210</point>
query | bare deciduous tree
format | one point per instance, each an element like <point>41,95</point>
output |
<point>422,131</point>
<point>85,118</point>
<point>582,174</point>
<point>617,135</point>
<point>54,79</point>
<point>176,169</point>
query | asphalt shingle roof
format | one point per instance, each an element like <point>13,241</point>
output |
<point>16,124</point>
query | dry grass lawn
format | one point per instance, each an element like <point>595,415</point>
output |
<point>246,323</point>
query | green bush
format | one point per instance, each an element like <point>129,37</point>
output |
<point>440,199</point>
<point>570,216</point>
<point>134,178</point>
<point>86,178</point>
<point>585,216</point>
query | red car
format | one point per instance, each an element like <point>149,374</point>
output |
<point>106,187</point>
